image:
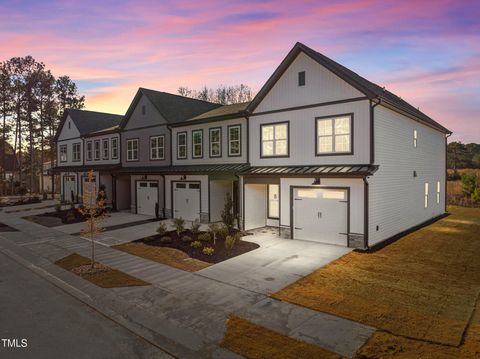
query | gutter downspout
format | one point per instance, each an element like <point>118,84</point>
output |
<point>446,171</point>
<point>366,214</point>
<point>372,130</point>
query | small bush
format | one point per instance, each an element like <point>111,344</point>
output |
<point>204,237</point>
<point>195,227</point>
<point>44,196</point>
<point>165,239</point>
<point>213,230</point>
<point>208,251</point>
<point>162,229</point>
<point>476,196</point>
<point>227,214</point>
<point>70,216</point>
<point>179,224</point>
<point>196,244</point>
<point>72,206</point>
<point>229,242</point>
<point>58,207</point>
<point>186,239</point>
<point>469,184</point>
<point>223,231</point>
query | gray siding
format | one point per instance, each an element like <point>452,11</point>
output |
<point>143,136</point>
<point>151,117</point>
<point>102,161</point>
<point>396,197</point>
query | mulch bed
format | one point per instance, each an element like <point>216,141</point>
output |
<point>101,275</point>
<point>221,253</point>
<point>57,218</point>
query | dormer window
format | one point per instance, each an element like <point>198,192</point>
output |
<point>301,78</point>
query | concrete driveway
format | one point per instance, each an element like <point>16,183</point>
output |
<point>277,263</point>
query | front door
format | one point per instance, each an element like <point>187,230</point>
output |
<point>320,214</point>
<point>69,191</point>
<point>186,200</point>
<point>147,197</point>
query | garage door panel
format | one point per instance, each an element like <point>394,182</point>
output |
<point>186,199</point>
<point>321,215</point>
<point>147,197</point>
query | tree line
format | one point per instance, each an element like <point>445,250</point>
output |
<point>461,155</point>
<point>32,102</point>
<point>224,95</point>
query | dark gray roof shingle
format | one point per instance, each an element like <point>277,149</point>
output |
<point>90,121</point>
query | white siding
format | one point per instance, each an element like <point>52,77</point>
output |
<point>303,136</point>
<point>203,188</point>
<point>321,85</point>
<point>206,143</point>
<point>102,161</point>
<point>218,191</point>
<point>396,197</point>
<point>356,198</point>
<point>68,133</point>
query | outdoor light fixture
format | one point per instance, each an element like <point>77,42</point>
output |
<point>316,181</point>
<point>183,177</point>
<point>414,173</point>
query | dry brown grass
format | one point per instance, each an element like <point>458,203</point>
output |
<point>256,342</point>
<point>423,286</point>
<point>110,278</point>
<point>169,256</point>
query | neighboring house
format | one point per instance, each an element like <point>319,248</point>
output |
<point>147,151</point>
<point>47,174</point>
<point>320,153</point>
<point>9,165</point>
<point>87,140</point>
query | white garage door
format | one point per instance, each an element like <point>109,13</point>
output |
<point>147,197</point>
<point>320,215</point>
<point>186,200</point>
<point>68,188</point>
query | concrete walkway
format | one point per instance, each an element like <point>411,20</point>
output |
<point>183,312</point>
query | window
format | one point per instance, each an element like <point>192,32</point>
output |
<point>216,142</point>
<point>157,148</point>
<point>273,201</point>
<point>234,141</point>
<point>106,149</point>
<point>76,152</point>
<point>181,145</point>
<point>63,153</point>
<point>438,192</point>
<point>415,138</point>
<point>96,150</point>
<point>301,78</point>
<point>334,135</point>
<point>114,146</point>
<point>426,195</point>
<point>144,110</point>
<point>197,144</point>
<point>89,151</point>
<point>274,140</point>
<point>132,150</point>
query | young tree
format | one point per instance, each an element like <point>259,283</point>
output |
<point>92,210</point>
<point>228,217</point>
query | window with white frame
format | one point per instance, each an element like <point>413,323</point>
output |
<point>334,135</point>
<point>63,153</point>
<point>106,148</point>
<point>89,150</point>
<point>114,147</point>
<point>438,192</point>
<point>132,149</point>
<point>426,194</point>
<point>274,140</point>
<point>216,142</point>
<point>197,144</point>
<point>96,150</point>
<point>157,148</point>
<point>415,138</point>
<point>76,152</point>
<point>181,145</point>
<point>234,140</point>
<point>273,201</point>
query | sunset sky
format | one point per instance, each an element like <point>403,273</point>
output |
<point>427,52</point>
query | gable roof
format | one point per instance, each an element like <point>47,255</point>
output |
<point>370,89</point>
<point>173,108</point>
<point>88,122</point>
<point>223,112</point>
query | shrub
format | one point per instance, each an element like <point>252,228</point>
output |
<point>230,241</point>
<point>208,251</point>
<point>165,239</point>
<point>196,244</point>
<point>223,231</point>
<point>227,214</point>
<point>204,237</point>
<point>162,229</point>
<point>186,239</point>
<point>179,224</point>
<point>213,231</point>
<point>70,216</point>
<point>469,184</point>
<point>44,196</point>
<point>195,227</point>
<point>58,207</point>
<point>476,196</point>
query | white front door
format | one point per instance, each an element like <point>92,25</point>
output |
<point>147,197</point>
<point>69,188</point>
<point>186,200</point>
<point>320,214</point>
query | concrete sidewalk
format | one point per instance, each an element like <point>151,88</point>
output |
<point>183,312</point>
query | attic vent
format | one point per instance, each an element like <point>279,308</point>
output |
<point>69,126</point>
<point>144,110</point>
<point>301,78</point>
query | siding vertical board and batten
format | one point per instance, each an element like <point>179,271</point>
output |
<point>396,197</point>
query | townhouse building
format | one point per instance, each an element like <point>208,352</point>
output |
<point>320,153</point>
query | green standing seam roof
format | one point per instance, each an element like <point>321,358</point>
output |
<point>347,170</point>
